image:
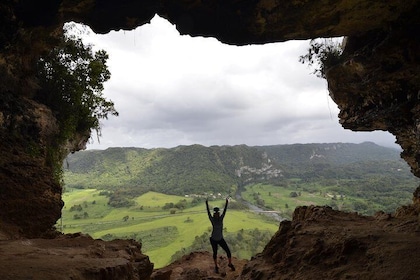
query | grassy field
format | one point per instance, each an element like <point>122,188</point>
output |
<point>161,233</point>
<point>280,198</point>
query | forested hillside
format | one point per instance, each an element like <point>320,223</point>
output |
<point>338,160</point>
<point>181,170</point>
<point>362,170</point>
<point>332,153</point>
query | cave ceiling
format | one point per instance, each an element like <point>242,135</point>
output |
<point>242,22</point>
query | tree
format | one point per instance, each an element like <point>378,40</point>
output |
<point>71,78</point>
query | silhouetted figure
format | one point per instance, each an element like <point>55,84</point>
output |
<point>217,234</point>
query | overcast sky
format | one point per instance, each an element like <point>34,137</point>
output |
<point>173,90</point>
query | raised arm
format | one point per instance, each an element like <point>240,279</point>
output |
<point>224,210</point>
<point>207,206</point>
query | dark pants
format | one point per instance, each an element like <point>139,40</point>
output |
<point>222,243</point>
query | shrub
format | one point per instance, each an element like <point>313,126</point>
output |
<point>293,194</point>
<point>325,53</point>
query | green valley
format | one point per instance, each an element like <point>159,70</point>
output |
<point>157,196</point>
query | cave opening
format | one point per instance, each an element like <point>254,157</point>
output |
<point>174,90</point>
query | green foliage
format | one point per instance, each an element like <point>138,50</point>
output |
<point>117,199</point>
<point>293,194</point>
<point>341,166</point>
<point>345,176</point>
<point>350,177</point>
<point>182,204</point>
<point>71,79</point>
<point>197,169</point>
<point>181,170</point>
<point>325,53</point>
<point>258,200</point>
<point>77,207</point>
<point>85,215</point>
<point>362,197</point>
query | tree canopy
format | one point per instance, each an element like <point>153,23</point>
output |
<point>71,78</point>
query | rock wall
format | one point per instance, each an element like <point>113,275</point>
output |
<point>30,196</point>
<point>376,85</point>
<point>330,244</point>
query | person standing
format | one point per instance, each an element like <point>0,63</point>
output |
<point>216,237</point>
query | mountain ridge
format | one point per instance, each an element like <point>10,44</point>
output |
<point>187,169</point>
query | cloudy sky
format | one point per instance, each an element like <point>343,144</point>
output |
<point>173,90</point>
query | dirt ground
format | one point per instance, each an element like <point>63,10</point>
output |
<point>72,257</point>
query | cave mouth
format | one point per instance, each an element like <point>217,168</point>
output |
<point>175,90</point>
<point>173,102</point>
<point>365,104</point>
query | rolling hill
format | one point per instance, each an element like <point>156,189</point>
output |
<point>193,169</point>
